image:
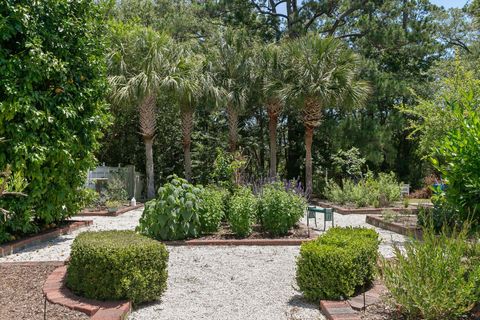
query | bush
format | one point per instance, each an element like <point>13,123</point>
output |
<point>116,188</point>
<point>212,209</point>
<point>279,209</point>
<point>337,263</point>
<point>115,265</point>
<point>437,278</point>
<point>52,109</point>
<point>242,211</point>
<point>369,191</point>
<point>89,197</point>
<point>175,213</point>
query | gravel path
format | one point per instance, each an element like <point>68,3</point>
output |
<point>241,282</point>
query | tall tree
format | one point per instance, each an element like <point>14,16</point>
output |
<point>138,65</point>
<point>231,60</point>
<point>189,82</point>
<point>271,68</point>
<point>320,74</point>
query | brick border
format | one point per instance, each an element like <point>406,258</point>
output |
<point>17,245</point>
<point>346,211</point>
<point>105,213</point>
<point>377,221</point>
<point>348,310</point>
<point>56,292</point>
<point>239,242</point>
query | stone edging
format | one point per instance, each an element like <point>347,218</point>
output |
<point>347,310</point>
<point>15,246</point>
<point>239,242</point>
<point>105,213</point>
<point>346,211</point>
<point>395,227</point>
<point>56,292</point>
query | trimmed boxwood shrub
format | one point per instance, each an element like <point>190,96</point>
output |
<point>336,263</point>
<point>280,209</point>
<point>242,211</point>
<point>115,265</point>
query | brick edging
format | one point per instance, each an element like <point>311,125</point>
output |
<point>347,211</point>
<point>347,310</point>
<point>56,292</point>
<point>32,263</point>
<point>15,246</point>
<point>105,213</point>
<point>239,242</point>
<point>394,227</point>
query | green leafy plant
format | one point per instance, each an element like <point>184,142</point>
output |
<point>113,204</point>
<point>279,209</point>
<point>381,191</point>
<point>89,197</point>
<point>242,211</point>
<point>337,263</point>
<point>212,209</point>
<point>115,265</point>
<point>175,213</point>
<point>390,216</point>
<point>52,115</point>
<point>436,278</point>
<point>116,189</point>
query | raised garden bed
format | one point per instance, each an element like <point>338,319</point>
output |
<point>367,210</point>
<point>67,227</point>
<point>404,224</point>
<point>225,236</point>
<point>103,211</point>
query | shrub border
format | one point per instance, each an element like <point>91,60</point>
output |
<point>346,211</point>
<point>105,213</point>
<point>377,221</point>
<point>17,245</point>
<point>55,291</point>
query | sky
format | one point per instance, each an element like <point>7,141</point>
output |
<point>450,3</point>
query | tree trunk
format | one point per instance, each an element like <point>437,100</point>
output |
<point>308,161</point>
<point>232,128</point>
<point>187,126</point>
<point>273,110</point>
<point>150,176</point>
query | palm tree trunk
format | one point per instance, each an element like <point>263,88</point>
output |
<point>187,126</point>
<point>273,109</point>
<point>308,160</point>
<point>232,127</point>
<point>149,158</point>
<point>148,124</point>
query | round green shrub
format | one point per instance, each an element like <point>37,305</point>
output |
<point>336,263</point>
<point>279,209</point>
<point>115,265</point>
<point>212,209</point>
<point>242,211</point>
<point>175,213</point>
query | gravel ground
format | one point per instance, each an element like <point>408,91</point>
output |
<point>231,283</point>
<point>241,282</point>
<point>22,298</point>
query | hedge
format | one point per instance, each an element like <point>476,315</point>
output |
<point>117,265</point>
<point>52,109</point>
<point>337,263</point>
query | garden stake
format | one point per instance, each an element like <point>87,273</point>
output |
<point>45,307</point>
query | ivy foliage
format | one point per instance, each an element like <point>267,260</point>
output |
<point>51,103</point>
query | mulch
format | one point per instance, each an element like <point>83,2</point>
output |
<point>21,294</point>
<point>300,231</point>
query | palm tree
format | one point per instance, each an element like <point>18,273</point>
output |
<point>320,73</point>
<point>230,64</point>
<point>271,68</point>
<point>189,83</point>
<point>138,64</point>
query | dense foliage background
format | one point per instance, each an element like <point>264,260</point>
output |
<point>52,105</point>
